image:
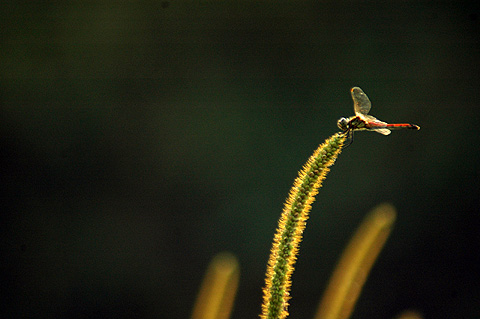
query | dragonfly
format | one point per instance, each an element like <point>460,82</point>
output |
<point>362,121</point>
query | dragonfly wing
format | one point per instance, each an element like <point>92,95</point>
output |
<point>384,131</point>
<point>373,124</point>
<point>361,103</point>
<point>373,121</point>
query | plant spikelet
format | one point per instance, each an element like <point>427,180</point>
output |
<point>291,225</point>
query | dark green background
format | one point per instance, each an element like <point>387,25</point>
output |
<point>140,138</point>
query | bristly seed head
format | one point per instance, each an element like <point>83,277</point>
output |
<point>291,226</point>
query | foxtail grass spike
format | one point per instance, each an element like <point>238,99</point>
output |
<point>217,293</point>
<point>291,226</point>
<point>357,259</point>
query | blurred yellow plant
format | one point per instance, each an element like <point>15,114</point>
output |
<point>409,314</point>
<point>219,287</point>
<point>354,266</point>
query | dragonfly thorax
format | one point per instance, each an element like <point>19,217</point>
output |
<point>352,123</point>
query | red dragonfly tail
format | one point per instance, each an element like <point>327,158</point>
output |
<point>402,126</point>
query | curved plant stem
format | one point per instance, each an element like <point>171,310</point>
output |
<point>216,296</point>
<point>357,259</point>
<point>291,225</point>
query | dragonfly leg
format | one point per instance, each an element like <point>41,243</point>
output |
<point>349,134</point>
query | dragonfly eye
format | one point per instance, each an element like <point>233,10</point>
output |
<point>342,124</point>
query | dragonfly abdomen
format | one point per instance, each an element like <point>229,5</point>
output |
<point>403,126</point>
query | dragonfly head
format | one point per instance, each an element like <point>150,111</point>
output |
<point>343,124</point>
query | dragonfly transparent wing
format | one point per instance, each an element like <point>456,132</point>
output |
<point>384,131</point>
<point>361,103</point>
<point>373,124</point>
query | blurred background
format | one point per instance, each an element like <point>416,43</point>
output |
<point>140,138</point>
